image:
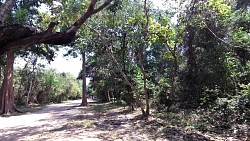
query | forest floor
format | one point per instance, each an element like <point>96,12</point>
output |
<point>97,122</point>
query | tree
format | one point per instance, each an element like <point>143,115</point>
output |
<point>25,36</point>
<point>120,38</point>
<point>84,87</point>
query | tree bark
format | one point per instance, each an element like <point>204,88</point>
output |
<point>7,93</point>
<point>0,72</point>
<point>29,93</point>
<point>84,87</point>
<point>5,9</point>
<point>108,95</point>
<point>145,113</point>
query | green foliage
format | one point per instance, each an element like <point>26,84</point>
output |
<point>24,12</point>
<point>59,87</point>
<point>20,16</point>
<point>115,6</point>
<point>48,86</point>
<point>220,7</point>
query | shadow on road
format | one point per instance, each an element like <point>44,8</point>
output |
<point>98,121</point>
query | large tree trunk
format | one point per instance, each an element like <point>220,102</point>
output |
<point>84,89</point>
<point>7,93</point>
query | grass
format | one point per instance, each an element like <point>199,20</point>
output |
<point>86,123</point>
<point>199,120</point>
<point>98,114</point>
<point>104,107</point>
<point>184,118</point>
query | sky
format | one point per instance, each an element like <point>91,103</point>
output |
<point>67,64</point>
<point>73,65</point>
<point>158,3</point>
<point>60,63</point>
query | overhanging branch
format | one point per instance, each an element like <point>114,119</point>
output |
<point>49,37</point>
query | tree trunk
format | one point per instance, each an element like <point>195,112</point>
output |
<point>174,71</point>
<point>140,54</point>
<point>193,86</point>
<point>5,8</point>
<point>170,96</point>
<point>7,105</point>
<point>108,95</point>
<point>29,93</point>
<point>0,73</point>
<point>145,113</point>
<point>84,89</point>
<point>34,61</point>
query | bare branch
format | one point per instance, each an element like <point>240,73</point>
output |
<point>105,4</point>
<point>225,42</point>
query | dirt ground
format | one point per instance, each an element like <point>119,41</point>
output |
<point>97,122</point>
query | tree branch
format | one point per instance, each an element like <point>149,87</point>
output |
<point>48,36</point>
<point>91,11</point>
<point>225,42</point>
<point>105,4</point>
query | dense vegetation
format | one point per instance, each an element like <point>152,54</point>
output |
<point>35,85</point>
<point>192,57</point>
<point>196,59</point>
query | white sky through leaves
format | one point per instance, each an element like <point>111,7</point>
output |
<point>69,64</point>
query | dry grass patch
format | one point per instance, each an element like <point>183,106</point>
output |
<point>85,123</point>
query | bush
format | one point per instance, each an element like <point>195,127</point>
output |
<point>48,86</point>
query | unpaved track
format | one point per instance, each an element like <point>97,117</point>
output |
<point>68,122</point>
<point>44,125</point>
<point>97,122</point>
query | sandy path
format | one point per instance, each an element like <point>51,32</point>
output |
<point>67,122</point>
<point>46,124</point>
<point>97,122</point>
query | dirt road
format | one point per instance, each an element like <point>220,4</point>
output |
<point>46,124</point>
<point>97,122</point>
<point>66,122</point>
